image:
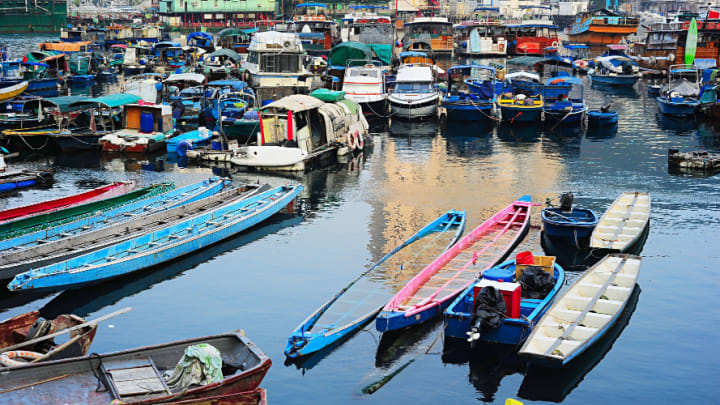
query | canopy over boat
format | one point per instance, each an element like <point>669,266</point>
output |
<point>109,101</point>
<point>341,53</point>
<point>64,104</point>
<point>194,78</point>
<point>295,103</point>
<point>225,53</point>
<point>534,77</point>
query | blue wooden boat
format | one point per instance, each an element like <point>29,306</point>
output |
<point>475,104</point>
<point>682,96</point>
<point>678,106</point>
<point>584,312</point>
<point>362,299</point>
<point>600,117</point>
<point>80,80</point>
<point>613,79</point>
<point>513,330</point>
<point>61,242</point>
<point>15,180</point>
<point>159,246</point>
<point>653,89</point>
<point>188,140</point>
<point>565,108</point>
<point>576,223</point>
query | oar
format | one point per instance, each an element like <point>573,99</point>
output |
<point>64,331</point>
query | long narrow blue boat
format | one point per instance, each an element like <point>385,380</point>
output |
<point>104,230</point>
<point>515,328</point>
<point>144,206</point>
<point>188,140</point>
<point>364,297</point>
<point>160,246</point>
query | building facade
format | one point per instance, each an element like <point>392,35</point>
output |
<point>216,13</point>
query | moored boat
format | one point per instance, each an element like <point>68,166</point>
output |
<point>163,244</point>
<point>681,98</point>
<point>110,190</point>
<point>64,241</point>
<point>145,129</point>
<point>30,326</point>
<point>433,34</point>
<point>583,313</point>
<point>23,225</point>
<point>298,131</point>
<point>567,221</point>
<point>10,92</point>
<point>695,160</point>
<point>430,291</point>
<point>474,102</point>
<point>602,117</point>
<point>363,298</point>
<point>523,300</point>
<point>520,108</point>
<point>602,27</point>
<point>622,225</point>
<point>414,95</point>
<point>567,107</point>
<point>366,86</point>
<point>189,140</point>
<point>243,368</point>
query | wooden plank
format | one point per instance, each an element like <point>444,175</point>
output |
<point>135,373</point>
<point>135,387</point>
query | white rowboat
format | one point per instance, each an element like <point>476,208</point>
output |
<point>584,311</point>
<point>622,225</point>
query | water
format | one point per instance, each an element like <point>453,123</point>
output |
<point>268,280</point>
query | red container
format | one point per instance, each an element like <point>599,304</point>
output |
<point>524,258</point>
<point>510,291</point>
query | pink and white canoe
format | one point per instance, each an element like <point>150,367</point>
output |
<point>431,290</point>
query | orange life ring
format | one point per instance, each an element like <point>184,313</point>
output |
<point>359,141</point>
<point>501,46</point>
<point>710,26</point>
<point>6,359</point>
<point>351,141</point>
<point>699,24</point>
<point>686,25</point>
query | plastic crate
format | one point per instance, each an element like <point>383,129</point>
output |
<point>546,262</point>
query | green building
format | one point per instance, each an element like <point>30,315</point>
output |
<point>215,13</point>
<point>32,16</point>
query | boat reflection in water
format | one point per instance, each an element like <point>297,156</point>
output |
<point>520,133</point>
<point>85,301</point>
<point>398,346</point>
<point>676,123</point>
<point>489,363</point>
<point>603,132</point>
<point>542,384</point>
<point>401,128</point>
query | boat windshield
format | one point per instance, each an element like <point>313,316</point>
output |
<point>413,87</point>
<point>374,33</point>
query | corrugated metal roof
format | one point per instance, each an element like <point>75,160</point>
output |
<point>297,102</point>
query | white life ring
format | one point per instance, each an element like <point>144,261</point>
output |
<point>555,44</point>
<point>359,141</point>
<point>6,359</point>
<point>351,141</point>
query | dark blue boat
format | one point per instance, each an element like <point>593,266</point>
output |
<point>475,104</point>
<point>565,108</point>
<point>577,223</point>
<point>513,330</point>
<point>602,118</point>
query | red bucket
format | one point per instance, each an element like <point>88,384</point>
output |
<point>524,258</point>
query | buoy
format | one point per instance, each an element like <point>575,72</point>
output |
<point>350,141</point>
<point>6,359</point>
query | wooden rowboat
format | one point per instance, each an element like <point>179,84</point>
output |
<point>22,328</point>
<point>111,190</point>
<point>257,396</point>
<point>10,181</point>
<point>161,245</point>
<point>584,312</point>
<point>21,226</point>
<point>364,297</point>
<point>135,376</point>
<point>86,235</point>
<point>431,290</point>
<point>623,224</point>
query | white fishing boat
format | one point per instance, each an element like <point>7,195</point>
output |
<point>584,312</point>
<point>274,63</point>
<point>365,85</point>
<point>299,131</point>
<point>622,225</point>
<point>414,95</point>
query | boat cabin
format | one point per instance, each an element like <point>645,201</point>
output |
<point>434,33</point>
<point>234,38</point>
<point>316,30</point>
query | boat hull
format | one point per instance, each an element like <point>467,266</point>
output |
<point>597,118</point>
<point>677,109</point>
<point>519,115</point>
<point>468,112</point>
<point>403,109</point>
<point>513,330</point>
<point>377,108</point>
<point>616,80</point>
<point>580,222</point>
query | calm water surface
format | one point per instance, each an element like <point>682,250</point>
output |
<point>268,280</point>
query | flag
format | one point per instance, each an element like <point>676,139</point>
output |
<point>93,127</point>
<point>713,14</point>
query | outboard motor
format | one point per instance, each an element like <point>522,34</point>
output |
<point>489,312</point>
<point>566,202</point>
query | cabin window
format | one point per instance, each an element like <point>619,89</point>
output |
<point>414,87</point>
<point>252,57</point>
<point>280,63</point>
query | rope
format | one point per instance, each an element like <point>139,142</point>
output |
<point>59,377</point>
<point>47,139</point>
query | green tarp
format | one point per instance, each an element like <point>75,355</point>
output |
<point>328,96</point>
<point>346,51</point>
<point>382,52</point>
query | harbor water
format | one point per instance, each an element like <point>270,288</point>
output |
<point>269,279</point>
